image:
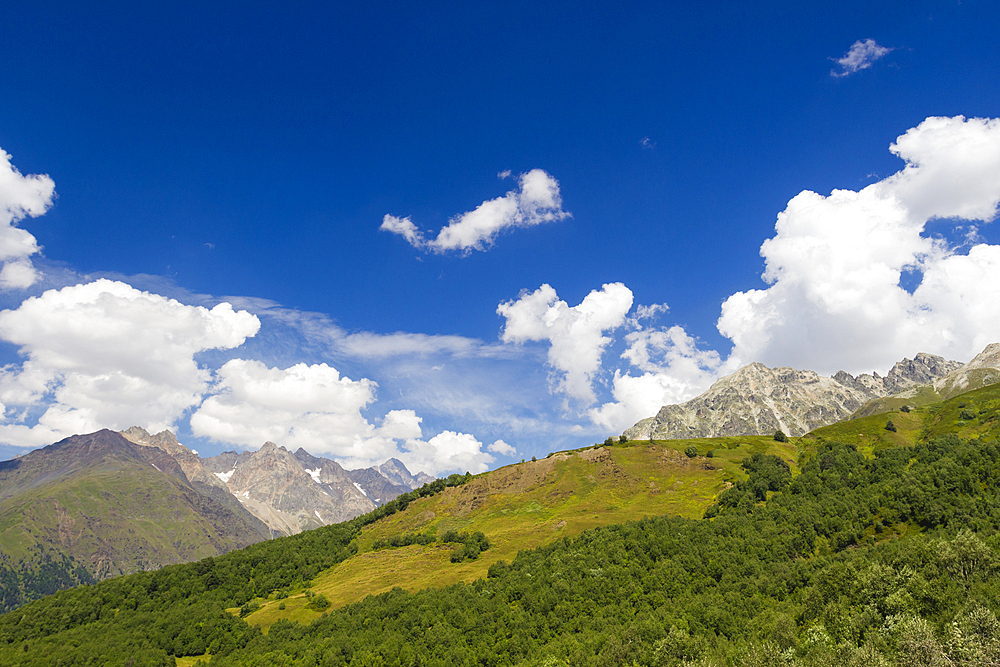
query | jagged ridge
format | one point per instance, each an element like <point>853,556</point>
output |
<point>757,400</point>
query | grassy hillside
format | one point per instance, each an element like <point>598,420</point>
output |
<point>527,505</point>
<point>930,394</point>
<point>857,559</point>
<point>969,415</point>
<point>90,507</point>
<point>794,571</point>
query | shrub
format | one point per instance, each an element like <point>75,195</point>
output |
<point>780,436</point>
<point>249,608</point>
<point>710,453</point>
<point>622,439</point>
<point>905,408</point>
<point>691,451</point>
<point>609,442</point>
<point>967,415</point>
<point>889,426</point>
<point>498,569</point>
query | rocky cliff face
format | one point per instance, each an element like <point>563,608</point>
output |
<point>757,400</point>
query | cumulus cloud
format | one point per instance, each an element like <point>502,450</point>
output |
<point>314,407</point>
<point>446,451</point>
<point>106,355</point>
<point>537,200</point>
<point>501,447</point>
<point>308,406</point>
<point>20,197</point>
<point>575,334</point>
<point>860,56</point>
<point>835,263</point>
<point>673,370</point>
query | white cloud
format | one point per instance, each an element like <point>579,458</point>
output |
<point>308,406</point>
<point>860,56</point>
<point>18,274</point>
<point>20,197</point>
<point>575,334</point>
<point>537,200</point>
<point>313,407</point>
<point>105,355</point>
<point>673,371</point>
<point>372,345</point>
<point>405,228</point>
<point>502,448</point>
<point>834,299</point>
<point>651,311</point>
<point>446,451</point>
<point>835,263</point>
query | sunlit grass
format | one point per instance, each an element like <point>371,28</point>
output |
<point>530,504</point>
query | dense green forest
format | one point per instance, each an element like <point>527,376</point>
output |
<point>889,559</point>
<point>45,572</point>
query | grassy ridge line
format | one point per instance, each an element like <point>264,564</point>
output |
<point>921,424</point>
<point>527,505</point>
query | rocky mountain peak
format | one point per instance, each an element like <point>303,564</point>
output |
<point>135,433</point>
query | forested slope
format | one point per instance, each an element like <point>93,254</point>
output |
<point>884,558</point>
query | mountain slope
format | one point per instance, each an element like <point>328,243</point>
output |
<point>982,371</point>
<point>111,508</point>
<point>759,400</point>
<point>853,560</point>
<point>527,505</point>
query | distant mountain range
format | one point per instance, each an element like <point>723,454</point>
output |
<point>757,400</point>
<point>104,504</point>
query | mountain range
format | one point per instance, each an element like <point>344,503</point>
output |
<point>110,503</point>
<point>757,400</point>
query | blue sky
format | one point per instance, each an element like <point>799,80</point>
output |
<point>250,155</point>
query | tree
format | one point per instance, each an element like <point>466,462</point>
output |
<point>622,439</point>
<point>780,436</point>
<point>889,426</point>
<point>691,451</point>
